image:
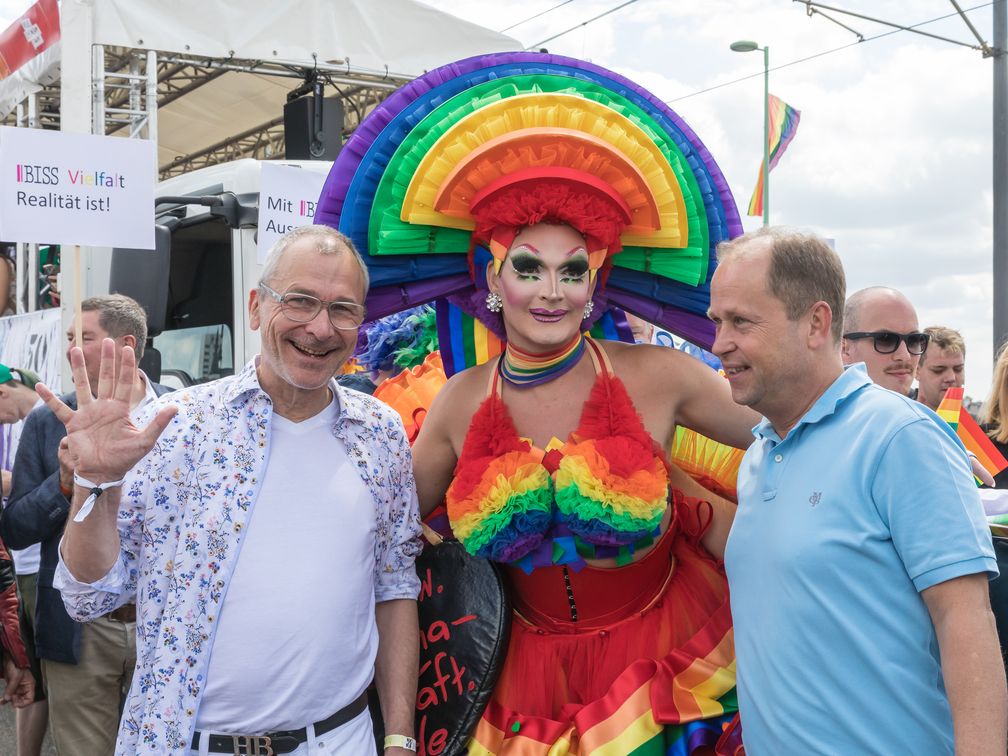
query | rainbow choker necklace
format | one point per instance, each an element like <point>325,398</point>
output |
<point>523,369</point>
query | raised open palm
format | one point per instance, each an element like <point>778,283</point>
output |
<point>103,442</point>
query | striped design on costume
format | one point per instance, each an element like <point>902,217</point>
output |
<point>652,708</point>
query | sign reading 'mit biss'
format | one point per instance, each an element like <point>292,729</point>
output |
<point>287,199</point>
<point>61,188</point>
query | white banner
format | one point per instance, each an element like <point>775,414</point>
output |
<point>61,188</point>
<point>32,342</point>
<point>287,199</point>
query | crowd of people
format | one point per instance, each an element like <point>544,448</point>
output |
<point>231,567</point>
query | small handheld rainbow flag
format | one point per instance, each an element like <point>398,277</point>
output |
<point>974,439</point>
<point>783,125</point>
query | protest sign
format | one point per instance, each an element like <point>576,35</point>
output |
<point>61,188</point>
<point>30,342</point>
<point>287,198</point>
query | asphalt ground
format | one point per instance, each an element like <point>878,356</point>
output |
<point>7,735</point>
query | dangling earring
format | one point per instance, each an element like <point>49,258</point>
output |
<point>589,306</point>
<point>493,302</point>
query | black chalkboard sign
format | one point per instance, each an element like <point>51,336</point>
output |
<point>465,622</point>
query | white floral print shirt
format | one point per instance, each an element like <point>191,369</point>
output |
<point>182,517</point>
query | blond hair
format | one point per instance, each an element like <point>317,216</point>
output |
<point>945,340</point>
<point>997,402</point>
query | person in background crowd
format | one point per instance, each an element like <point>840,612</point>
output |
<point>19,685</point>
<point>87,666</point>
<point>994,419</point>
<point>885,625</point>
<point>17,399</point>
<point>942,365</point>
<point>880,330</point>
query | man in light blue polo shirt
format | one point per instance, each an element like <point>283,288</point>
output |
<point>859,557</point>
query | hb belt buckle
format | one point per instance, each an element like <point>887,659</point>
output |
<point>252,745</point>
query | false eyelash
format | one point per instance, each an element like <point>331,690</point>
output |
<point>575,269</point>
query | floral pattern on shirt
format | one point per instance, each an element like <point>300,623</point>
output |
<point>184,511</point>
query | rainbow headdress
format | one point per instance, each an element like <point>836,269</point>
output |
<point>410,184</point>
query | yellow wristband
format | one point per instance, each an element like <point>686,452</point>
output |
<point>400,741</point>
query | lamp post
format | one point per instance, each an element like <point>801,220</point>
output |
<point>747,45</point>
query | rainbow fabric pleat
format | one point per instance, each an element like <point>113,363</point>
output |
<point>653,708</point>
<point>608,482</point>
<point>783,125</point>
<point>400,185</point>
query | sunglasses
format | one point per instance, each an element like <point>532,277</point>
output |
<point>887,342</point>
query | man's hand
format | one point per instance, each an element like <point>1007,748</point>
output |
<point>5,482</point>
<point>102,442</point>
<point>20,685</point>
<point>981,472</point>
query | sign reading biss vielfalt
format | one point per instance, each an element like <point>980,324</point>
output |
<point>62,188</point>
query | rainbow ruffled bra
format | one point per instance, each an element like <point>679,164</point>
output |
<point>601,493</point>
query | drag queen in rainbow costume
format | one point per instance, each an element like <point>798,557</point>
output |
<point>534,193</point>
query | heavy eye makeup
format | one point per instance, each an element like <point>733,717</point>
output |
<point>526,266</point>
<point>574,271</point>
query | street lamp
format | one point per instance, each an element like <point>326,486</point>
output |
<point>747,45</point>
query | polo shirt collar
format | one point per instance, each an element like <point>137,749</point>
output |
<point>852,379</point>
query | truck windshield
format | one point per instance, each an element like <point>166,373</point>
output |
<point>195,355</point>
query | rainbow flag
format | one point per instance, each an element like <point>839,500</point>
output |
<point>974,439</point>
<point>783,125</point>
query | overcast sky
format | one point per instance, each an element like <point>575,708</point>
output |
<point>892,159</point>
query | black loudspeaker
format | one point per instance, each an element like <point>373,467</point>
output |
<point>304,141</point>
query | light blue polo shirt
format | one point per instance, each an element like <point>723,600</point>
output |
<point>868,501</point>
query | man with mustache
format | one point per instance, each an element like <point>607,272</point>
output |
<point>873,319</point>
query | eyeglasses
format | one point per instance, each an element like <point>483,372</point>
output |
<point>887,342</point>
<point>304,308</point>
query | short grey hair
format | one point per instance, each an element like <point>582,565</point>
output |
<point>328,241</point>
<point>118,316</point>
<point>803,270</point>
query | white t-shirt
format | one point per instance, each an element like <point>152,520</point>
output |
<point>297,638</point>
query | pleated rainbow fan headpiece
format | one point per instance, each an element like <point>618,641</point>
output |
<point>421,182</point>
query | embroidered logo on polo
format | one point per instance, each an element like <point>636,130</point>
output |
<point>815,498</point>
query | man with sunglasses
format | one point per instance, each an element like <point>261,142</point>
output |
<point>880,330</point>
<point>267,526</point>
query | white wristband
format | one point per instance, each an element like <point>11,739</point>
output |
<point>97,489</point>
<point>400,741</point>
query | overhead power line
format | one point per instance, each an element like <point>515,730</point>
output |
<point>824,52</point>
<point>537,15</point>
<point>582,24</point>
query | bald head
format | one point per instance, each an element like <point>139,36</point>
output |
<point>880,308</point>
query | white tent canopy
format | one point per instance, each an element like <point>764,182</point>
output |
<point>257,51</point>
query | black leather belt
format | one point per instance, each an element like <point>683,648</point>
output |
<point>282,741</point>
